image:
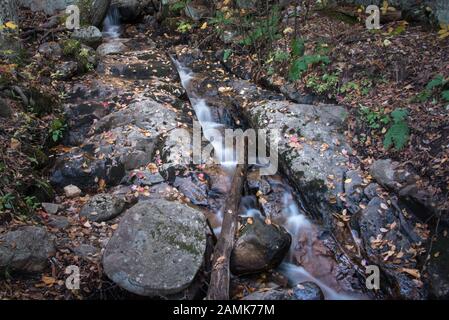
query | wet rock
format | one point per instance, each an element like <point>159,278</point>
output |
<point>26,250</point>
<point>98,11</point>
<point>66,70</point>
<point>51,208</point>
<point>72,191</point>
<point>195,191</point>
<point>260,247</point>
<point>176,153</point>
<point>90,36</point>
<point>157,249</point>
<point>384,173</point>
<point>311,149</point>
<point>257,183</point>
<point>271,294</point>
<point>102,207</point>
<point>110,48</point>
<point>51,50</point>
<point>308,291</point>
<point>5,109</point>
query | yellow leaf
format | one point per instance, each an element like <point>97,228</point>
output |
<point>11,25</point>
<point>49,281</point>
<point>204,26</point>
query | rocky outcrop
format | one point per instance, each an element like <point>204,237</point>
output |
<point>26,249</point>
<point>260,247</point>
<point>157,249</point>
<point>131,10</point>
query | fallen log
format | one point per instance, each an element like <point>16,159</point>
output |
<point>220,275</point>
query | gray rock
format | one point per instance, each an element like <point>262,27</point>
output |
<point>72,191</point>
<point>26,250</point>
<point>50,50</point>
<point>102,207</point>
<point>109,48</point>
<point>371,190</point>
<point>196,10</point>
<point>260,247</point>
<point>51,208</point>
<point>58,222</point>
<point>438,268</point>
<point>195,191</point>
<point>130,10</point>
<point>90,36</point>
<point>384,173</point>
<point>157,249</point>
<point>48,6</point>
<point>85,250</point>
<point>308,291</point>
<point>5,109</point>
<point>66,70</point>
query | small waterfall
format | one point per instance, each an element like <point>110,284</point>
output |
<point>111,24</point>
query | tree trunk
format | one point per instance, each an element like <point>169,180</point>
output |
<point>8,11</point>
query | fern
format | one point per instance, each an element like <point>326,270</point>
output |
<point>436,82</point>
<point>298,47</point>
<point>301,65</point>
<point>399,132</point>
<point>445,95</point>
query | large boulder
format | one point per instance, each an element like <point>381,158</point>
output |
<point>48,6</point>
<point>157,249</point>
<point>26,249</point>
<point>260,247</point>
<point>90,36</point>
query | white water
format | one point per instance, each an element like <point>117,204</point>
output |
<point>111,24</point>
<point>296,222</point>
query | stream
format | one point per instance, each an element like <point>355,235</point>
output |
<point>293,216</point>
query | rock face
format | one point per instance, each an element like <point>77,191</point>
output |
<point>260,247</point>
<point>26,250</point>
<point>90,36</point>
<point>157,249</point>
<point>102,207</point>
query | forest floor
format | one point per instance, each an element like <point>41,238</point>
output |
<point>372,73</point>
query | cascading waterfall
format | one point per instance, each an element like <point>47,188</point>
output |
<point>296,222</point>
<point>111,24</point>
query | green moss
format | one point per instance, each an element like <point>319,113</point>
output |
<point>71,47</point>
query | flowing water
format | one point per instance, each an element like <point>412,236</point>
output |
<point>111,24</point>
<point>293,215</point>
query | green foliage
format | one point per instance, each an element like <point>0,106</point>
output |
<point>7,202</point>
<point>32,203</point>
<point>281,56</point>
<point>327,83</point>
<point>56,130</point>
<point>184,27</point>
<point>179,5</point>
<point>71,47</point>
<point>398,134</point>
<point>445,95</point>
<point>226,54</point>
<point>298,47</point>
<point>374,119</point>
<point>436,83</point>
<point>262,30</point>
<point>301,65</point>
<point>84,61</point>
